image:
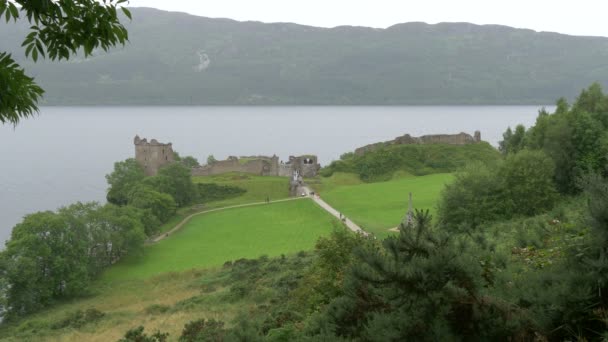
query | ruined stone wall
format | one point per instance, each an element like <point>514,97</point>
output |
<point>262,166</point>
<point>285,170</point>
<point>307,165</point>
<point>152,155</point>
<point>450,139</point>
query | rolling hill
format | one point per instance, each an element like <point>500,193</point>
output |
<point>176,58</point>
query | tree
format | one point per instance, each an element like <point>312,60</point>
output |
<point>122,232</point>
<point>421,285</point>
<point>528,187</point>
<point>473,198</point>
<point>211,159</point>
<point>161,205</point>
<point>59,30</point>
<point>43,262</point>
<point>512,141</point>
<point>125,176</point>
<point>190,162</point>
<point>174,179</point>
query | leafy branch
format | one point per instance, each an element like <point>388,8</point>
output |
<point>59,30</point>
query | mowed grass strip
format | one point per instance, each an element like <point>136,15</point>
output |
<point>377,207</point>
<point>211,239</point>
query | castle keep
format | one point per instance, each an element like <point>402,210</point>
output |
<point>152,155</point>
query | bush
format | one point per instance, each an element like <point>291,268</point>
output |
<point>156,309</point>
<point>201,331</point>
<point>527,182</point>
<point>138,335</point>
<point>208,192</point>
<point>520,186</point>
<point>78,319</point>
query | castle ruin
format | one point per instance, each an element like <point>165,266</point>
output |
<point>152,155</point>
<point>449,139</point>
<point>306,166</point>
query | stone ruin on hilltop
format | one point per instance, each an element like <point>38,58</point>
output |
<point>450,139</point>
<point>154,155</point>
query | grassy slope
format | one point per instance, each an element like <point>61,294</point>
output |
<point>377,207</point>
<point>127,305</point>
<point>167,302</point>
<point>257,189</point>
<point>211,239</point>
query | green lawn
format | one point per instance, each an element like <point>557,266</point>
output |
<point>377,207</point>
<point>258,187</point>
<point>209,240</point>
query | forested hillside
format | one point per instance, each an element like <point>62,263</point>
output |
<point>175,58</point>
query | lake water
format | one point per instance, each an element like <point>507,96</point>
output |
<point>62,155</point>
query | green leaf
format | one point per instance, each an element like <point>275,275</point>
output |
<point>39,47</point>
<point>14,10</point>
<point>126,12</point>
<point>28,50</point>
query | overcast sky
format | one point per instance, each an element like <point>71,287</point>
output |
<point>577,17</point>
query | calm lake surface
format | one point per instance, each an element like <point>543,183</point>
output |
<point>62,155</point>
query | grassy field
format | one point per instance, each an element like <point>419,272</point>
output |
<point>258,188</point>
<point>209,240</point>
<point>377,207</point>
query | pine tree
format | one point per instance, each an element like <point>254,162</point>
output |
<point>421,285</point>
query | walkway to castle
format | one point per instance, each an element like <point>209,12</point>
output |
<point>350,224</point>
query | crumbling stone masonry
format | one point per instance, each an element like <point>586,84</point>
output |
<point>450,139</point>
<point>306,166</point>
<point>152,155</point>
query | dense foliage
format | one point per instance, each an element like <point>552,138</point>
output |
<point>57,29</point>
<point>214,192</point>
<point>125,176</point>
<point>158,195</point>
<point>380,164</point>
<point>174,179</point>
<point>521,185</point>
<point>575,137</point>
<point>54,255</point>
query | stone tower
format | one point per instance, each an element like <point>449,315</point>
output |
<point>152,155</point>
<point>306,165</point>
<point>477,136</point>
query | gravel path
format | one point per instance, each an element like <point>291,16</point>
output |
<point>350,224</point>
